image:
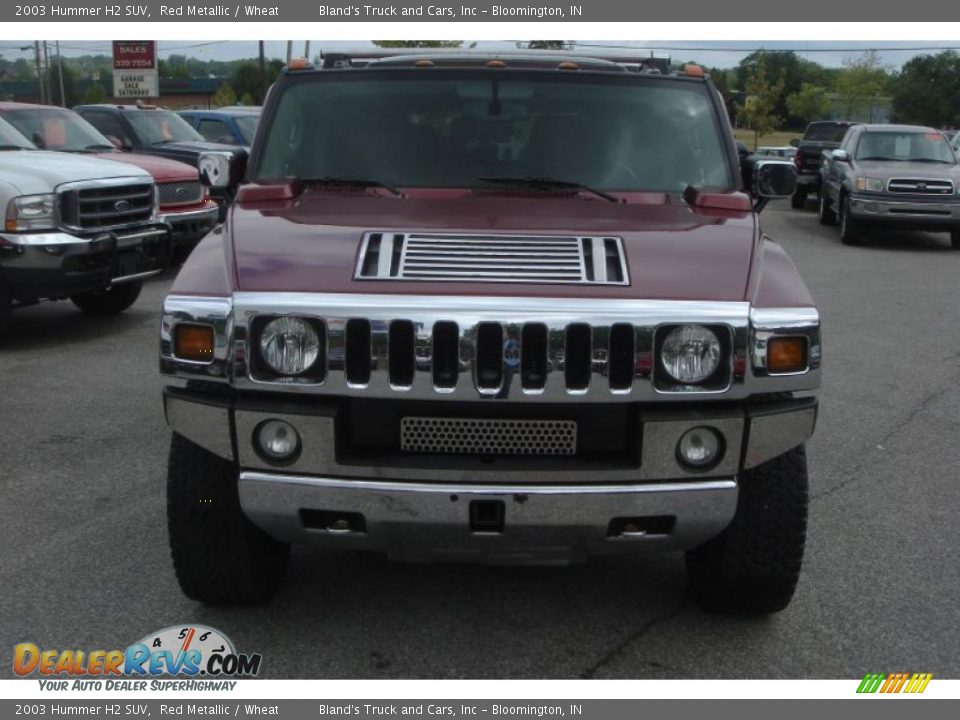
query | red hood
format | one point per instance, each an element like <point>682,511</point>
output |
<point>162,169</point>
<point>310,243</point>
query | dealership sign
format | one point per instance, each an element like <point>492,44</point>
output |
<point>135,73</point>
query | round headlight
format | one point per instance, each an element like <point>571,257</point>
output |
<point>699,448</point>
<point>690,353</point>
<point>289,345</point>
<point>277,441</point>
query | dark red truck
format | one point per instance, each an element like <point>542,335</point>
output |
<point>499,308</point>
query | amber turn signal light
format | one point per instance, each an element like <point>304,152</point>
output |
<point>787,354</point>
<point>193,342</point>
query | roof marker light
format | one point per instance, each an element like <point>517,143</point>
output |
<point>496,64</point>
<point>423,63</point>
<point>693,70</point>
<point>568,65</point>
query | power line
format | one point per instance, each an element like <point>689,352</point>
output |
<point>756,48</point>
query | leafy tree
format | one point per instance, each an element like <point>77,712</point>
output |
<point>811,103</point>
<point>760,108</point>
<point>777,65</point>
<point>418,43</point>
<point>245,78</point>
<point>224,96</point>
<point>95,94</point>
<point>927,91</point>
<point>247,99</point>
<point>861,82</point>
<point>71,95</point>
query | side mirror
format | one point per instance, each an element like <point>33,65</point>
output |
<point>742,150</point>
<point>795,142</point>
<point>221,169</point>
<point>840,155</point>
<point>774,179</point>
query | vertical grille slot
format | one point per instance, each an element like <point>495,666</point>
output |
<point>371,256</point>
<point>489,358</point>
<point>613,261</point>
<point>586,248</point>
<point>358,352</point>
<point>577,357</point>
<point>621,356</point>
<point>446,354</point>
<point>533,356</point>
<point>400,353</point>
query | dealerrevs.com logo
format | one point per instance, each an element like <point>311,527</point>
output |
<point>183,651</point>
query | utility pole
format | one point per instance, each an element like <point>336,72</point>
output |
<point>63,96</point>
<point>36,49</point>
<point>289,51</point>
<point>306,49</point>
<point>263,75</point>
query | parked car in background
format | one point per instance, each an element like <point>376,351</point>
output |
<point>75,227</point>
<point>819,136</point>
<point>227,125</point>
<point>497,311</point>
<point>185,204</point>
<point>891,177</point>
<point>784,151</point>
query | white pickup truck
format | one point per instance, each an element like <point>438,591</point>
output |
<point>74,227</point>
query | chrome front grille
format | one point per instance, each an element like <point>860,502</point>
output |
<point>492,258</point>
<point>479,436</point>
<point>919,186</point>
<point>443,348</point>
<point>105,204</point>
<point>180,193</point>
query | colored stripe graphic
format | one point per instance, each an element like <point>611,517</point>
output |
<point>894,683</point>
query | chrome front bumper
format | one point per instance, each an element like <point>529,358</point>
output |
<point>187,226</point>
<point>915,212</point>
<point>541,524</point>
<point>418,506</point>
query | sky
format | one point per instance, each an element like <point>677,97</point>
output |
<point>711,53</point>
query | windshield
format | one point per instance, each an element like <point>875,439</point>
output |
<point>826,132</point>
<point>906,146</point>
<point>248,126</point>
<point>456,128</point>
<point>57,129</point>
<point>159,126</point>
<point>11,138</point>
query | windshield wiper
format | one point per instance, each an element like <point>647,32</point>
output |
<point>99,146</point>
<point>12,147</point>
<point>328,181</point>
<point>877,158</point>
<point>545,183</point>
<point>931,160</point>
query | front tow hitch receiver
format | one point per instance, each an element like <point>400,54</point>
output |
<point>635,528</point>
<point>487,516</point>
<point>333,522</point>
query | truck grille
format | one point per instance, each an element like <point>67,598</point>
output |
<point>180,193</point>
<point>492,258</point>
<point>915,186</point>
<point>101,206</point>
<point>475,436</point>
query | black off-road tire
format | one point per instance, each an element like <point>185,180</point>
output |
<point>954,243</point>
<point>111,301</point>
<point>220,557</point>
<point>752,567</point>
<point>798,200</point>
<point>850,232</point>
<point>825,214</point>
<point>6,310</point>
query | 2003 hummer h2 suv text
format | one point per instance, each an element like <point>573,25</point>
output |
<point>504,308</point>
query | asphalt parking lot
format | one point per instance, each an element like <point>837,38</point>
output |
<point>85,562</point>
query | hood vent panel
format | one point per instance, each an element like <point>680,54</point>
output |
<point>427,257</point>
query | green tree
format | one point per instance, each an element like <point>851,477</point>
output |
<point>811,103</point>
<point>759,110</point>
<point>861,82</point>
<point>95,94</point>
<point>777,65</point>
<point>224,96</point>
<point>927,91</point>
<point>245,78</point>
<point>418,43</point>
<point>71,96</point>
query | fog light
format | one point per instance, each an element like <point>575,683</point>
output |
<point>277,441</point>
<point>700,447</point>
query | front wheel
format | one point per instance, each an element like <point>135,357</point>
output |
<point>798,200</point>
<point>220,557</point>
<point>954,242</point>
<point>825,213</point>
<point>849,230</point>
<point>752,567</point>
<point>112,301</point>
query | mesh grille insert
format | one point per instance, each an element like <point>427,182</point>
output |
<point>476,436</point>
